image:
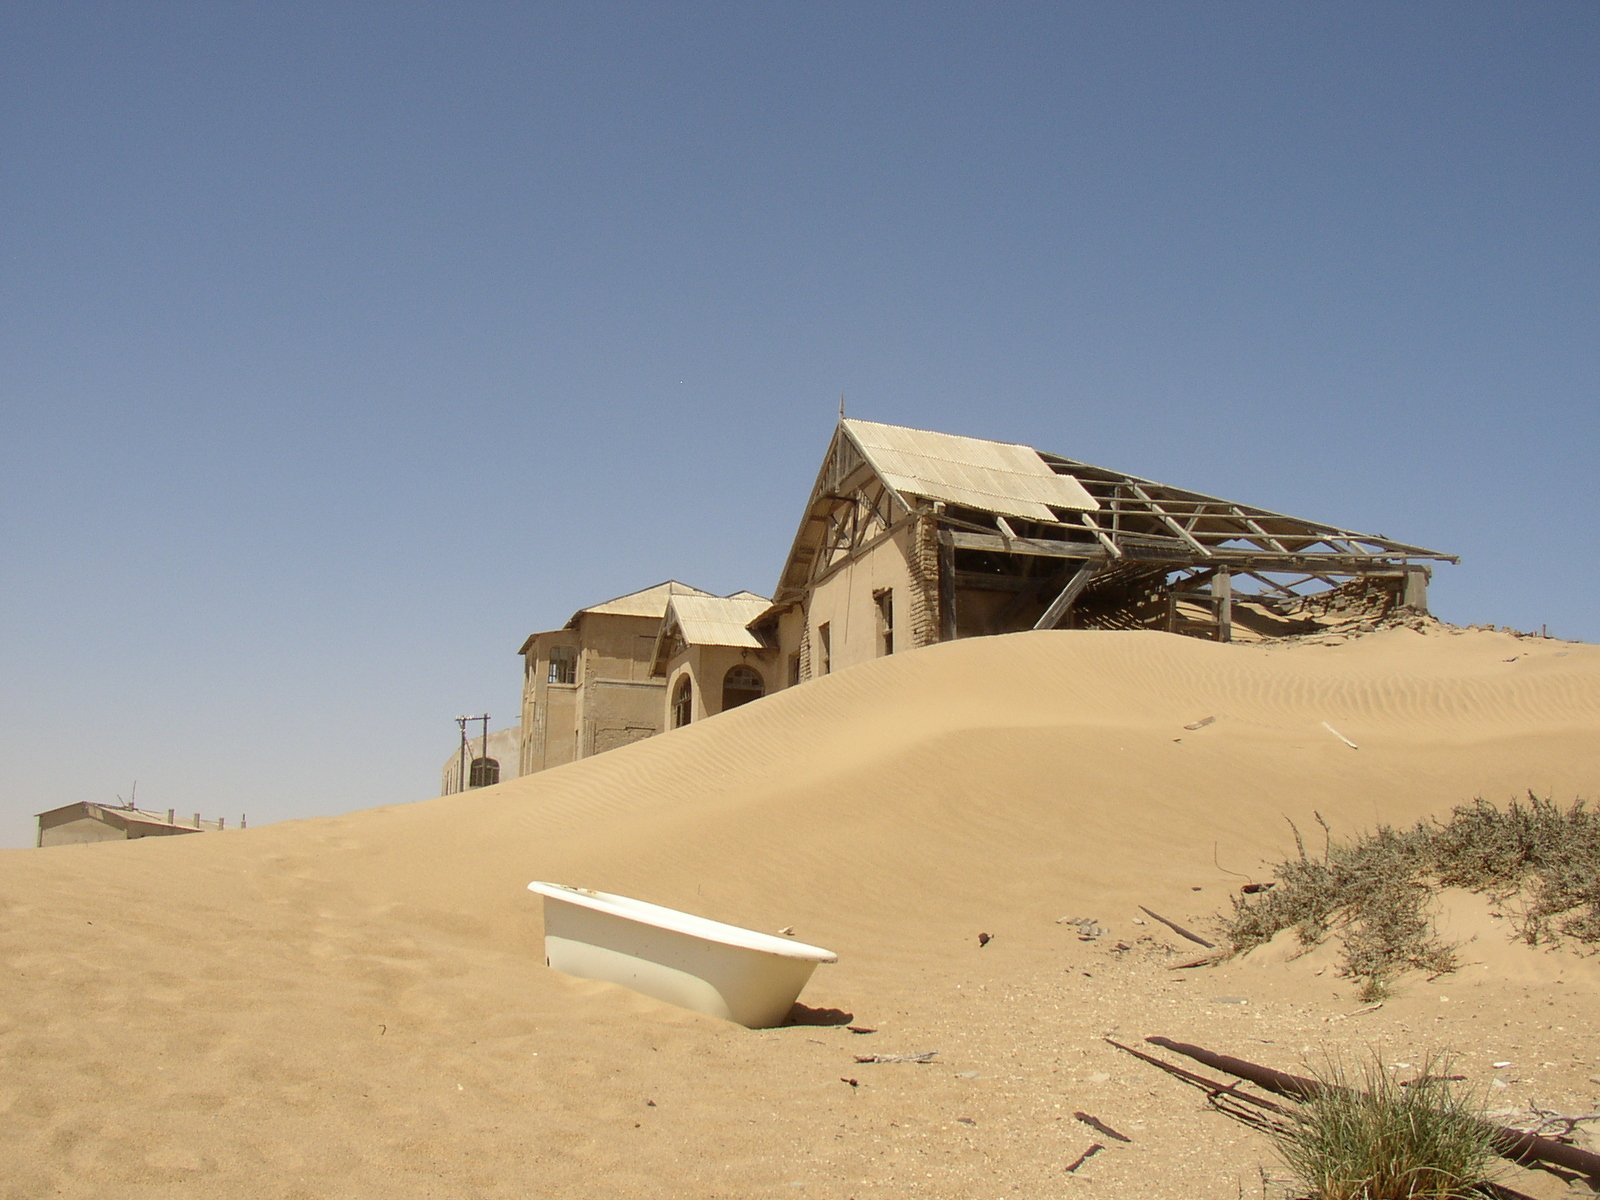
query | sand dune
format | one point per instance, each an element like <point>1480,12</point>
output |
<point>357,1006</point>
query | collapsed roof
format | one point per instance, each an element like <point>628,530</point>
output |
<point>1008,510</point>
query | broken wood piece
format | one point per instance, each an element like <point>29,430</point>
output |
<point>1527,1149</point>
<point>1373,1007</point>
<point>1200,724</point>
<point>1204,960</point>
<point>1093,1149</point>
<point>1099,1126</point>
<point>1340,736</point>
<point>1549,1122</point>
<point>1213,1088</point>
<point>1179,929</point>
<point>925,1057</point>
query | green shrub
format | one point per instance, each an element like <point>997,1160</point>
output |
<point>1378,1139</point>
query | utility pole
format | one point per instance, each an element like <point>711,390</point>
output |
<point>461,758</point>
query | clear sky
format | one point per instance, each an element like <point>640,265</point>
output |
<point>344,345</point>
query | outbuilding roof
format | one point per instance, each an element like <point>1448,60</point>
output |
<point>708,621</point>
<point>717,620</point>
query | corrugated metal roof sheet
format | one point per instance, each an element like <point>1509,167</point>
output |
<point>995,477</point>
<point>650,602</point>
<point>718,620</point>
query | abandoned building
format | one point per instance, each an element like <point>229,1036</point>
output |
<point>910,538</point>
<point>709,657</point>
<point>925,537</point>
<point>588,687</point>
<point>84,822</point>
<point>482,761</point>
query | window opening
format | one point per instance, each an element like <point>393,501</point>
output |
<point>884,601</point>
<point>485,772</point>
<point>563,664</point>
<point>740,686</point>
<point>824,649</point>
<point>682,702</point>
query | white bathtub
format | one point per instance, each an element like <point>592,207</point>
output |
<point>723,970</point>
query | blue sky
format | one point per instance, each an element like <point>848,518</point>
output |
<point>344,345</point>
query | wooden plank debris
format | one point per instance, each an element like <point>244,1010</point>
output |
<point>1094,1148</point>
<point>1179,929</point>
<point>1099,1126</point>
<point>1340,736</point>
<point>926,1056</point>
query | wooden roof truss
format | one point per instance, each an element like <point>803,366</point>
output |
<point>1144,528</point>
<point>1140,532</point>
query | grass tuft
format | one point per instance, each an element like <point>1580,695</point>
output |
<point>1374,1138</point>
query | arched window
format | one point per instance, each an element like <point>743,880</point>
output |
<point>740,686</point>
<point>484,773</point>
<point>682,702</point>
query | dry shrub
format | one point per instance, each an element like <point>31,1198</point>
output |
<point>1375,889</point>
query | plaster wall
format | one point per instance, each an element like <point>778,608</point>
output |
<point>618,648</point>
<point>620,702</point>
<point>549,710</point>
<point>613,701</point>
<point>845,602</point>
<point>707,666</point>
<point>79,831</point>
<point>791,625</point>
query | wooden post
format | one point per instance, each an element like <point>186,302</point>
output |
<point>947,591</point>
<point>1069,594</point>
<point>1222,589</point>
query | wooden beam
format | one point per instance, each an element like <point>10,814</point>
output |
<point>1254,527</point>
<point>1167,519</point>
<point>1059,606</point>
<point>1162,553</point>
<point>1039,547</point>
<point>1100,534</point>
<point>980,581</point>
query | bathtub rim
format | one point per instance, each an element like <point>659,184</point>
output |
<point>675,920</point>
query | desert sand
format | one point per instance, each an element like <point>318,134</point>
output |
<point>358,1007</point>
